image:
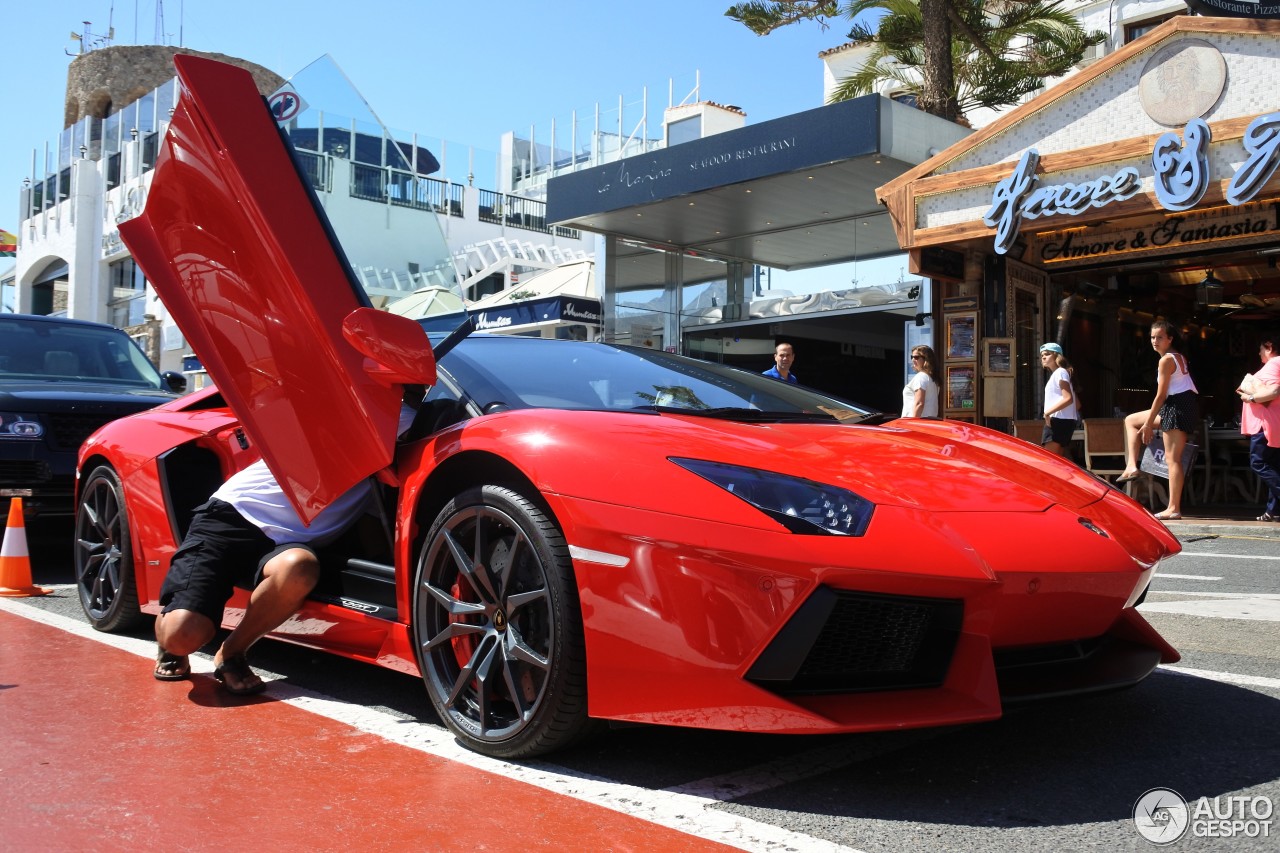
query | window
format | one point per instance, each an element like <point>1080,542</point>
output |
<point>1138,29</point>
<point>126,279</point>
<point>113,170</point>
<point>150,146</point>
<point>89,353</point>
<point>684,130</point>
<point>128,293</point>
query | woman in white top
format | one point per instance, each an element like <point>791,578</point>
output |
<point>920,396</point>
<point>1175,412</point>
<point>1059,402</point>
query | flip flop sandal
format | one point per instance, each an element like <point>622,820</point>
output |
<point>1266,516</point>
<point>171,667</point>
<point>247,681</point>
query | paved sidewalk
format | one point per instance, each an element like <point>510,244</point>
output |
<point>100,756</point>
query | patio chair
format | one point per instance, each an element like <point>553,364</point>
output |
<point>1104,446</point>
<point>1030,430</point>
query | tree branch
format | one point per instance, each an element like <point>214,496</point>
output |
<point>962,25</point>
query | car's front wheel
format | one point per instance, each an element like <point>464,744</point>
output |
<point>497,626</point>
<point>104,555</point>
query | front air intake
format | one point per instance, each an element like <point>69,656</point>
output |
<point>840,642</point>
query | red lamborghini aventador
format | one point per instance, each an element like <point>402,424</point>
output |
<point>576,531</point>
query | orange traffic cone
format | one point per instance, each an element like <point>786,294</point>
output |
<point>15,562</point>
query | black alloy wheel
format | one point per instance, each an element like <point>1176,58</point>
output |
<point>497,626</point>
<point>104,554</point>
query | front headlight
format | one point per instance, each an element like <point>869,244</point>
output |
<point>14,425</point>
<point>802,506</point>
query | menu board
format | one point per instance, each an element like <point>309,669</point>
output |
<point>962,336</point>
<point>997,356</point>
<point>962,386</point>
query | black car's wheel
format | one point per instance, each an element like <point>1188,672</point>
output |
<point>497,626</point>
<point>103,554</point>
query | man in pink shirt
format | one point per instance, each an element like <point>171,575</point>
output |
<point>1260,420</point>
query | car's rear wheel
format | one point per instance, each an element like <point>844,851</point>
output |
<point>497,626</point>
<point>104,554</point>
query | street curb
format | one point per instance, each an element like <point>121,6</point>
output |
<point>1251,529</point>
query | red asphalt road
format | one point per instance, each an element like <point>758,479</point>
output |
<point>100,756</point>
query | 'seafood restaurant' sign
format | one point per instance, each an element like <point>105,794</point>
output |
<point>1180,167</point>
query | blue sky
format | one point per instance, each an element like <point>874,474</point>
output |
<point>465,72</point>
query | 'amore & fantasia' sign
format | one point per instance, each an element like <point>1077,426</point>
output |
<point>1158,235</point>
<point>1179,166</point>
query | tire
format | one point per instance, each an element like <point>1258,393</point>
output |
<point>104,554</point>
<point>497,626</point>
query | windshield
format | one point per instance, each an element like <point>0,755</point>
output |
<point>71,352</point>
<point>376,192</point>
<point>511,372</point>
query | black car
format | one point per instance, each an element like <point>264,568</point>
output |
<point>59,381</point>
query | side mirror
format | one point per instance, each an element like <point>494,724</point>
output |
<point>396,349</point>
<point>174,381</point>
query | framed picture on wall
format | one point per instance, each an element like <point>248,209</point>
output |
<point>962,338</point>
<point>962,386</point>
<point>997,356</point>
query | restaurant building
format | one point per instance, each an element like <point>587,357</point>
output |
<point>688,228</point>
<point>1143,187</point>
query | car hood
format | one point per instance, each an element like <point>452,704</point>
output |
<point>937,466</point>
<point>941,466</point>
<point>246,264</point>
<point>78,396</point>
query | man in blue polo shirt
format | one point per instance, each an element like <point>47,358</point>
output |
<point>784,355</point>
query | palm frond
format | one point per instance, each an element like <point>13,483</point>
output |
<point>1001,50</point>
<point>763,18</point>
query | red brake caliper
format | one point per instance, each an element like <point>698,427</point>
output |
<point>464,646</point>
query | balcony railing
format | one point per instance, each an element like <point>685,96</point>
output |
<point>317,170</point>
<point>530,214</point>
<point>394,186</point>
<point>379,184</point>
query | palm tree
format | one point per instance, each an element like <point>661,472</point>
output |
<point>953,55</point>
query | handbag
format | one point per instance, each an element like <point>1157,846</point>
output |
<point>1153,461</point>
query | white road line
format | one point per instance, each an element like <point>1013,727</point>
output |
<point>1226,677</point>
<point>676,808</point>
<point>1188,577</point>
<point>1256,608</point>
<point>1200,593</point>
<point>1224,556</point>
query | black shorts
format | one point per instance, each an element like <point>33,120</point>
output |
<point>1181,411</point>
<point>1058,431</point>
<point>220,552</point>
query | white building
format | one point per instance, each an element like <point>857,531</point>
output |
<point>71,260</point>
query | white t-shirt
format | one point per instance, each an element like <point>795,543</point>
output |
<point>1053,393</point>
<point>256,495</point>
<point>920,380</point>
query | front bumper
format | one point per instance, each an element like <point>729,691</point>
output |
<point>45,492</point>
<point>928,619</point>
